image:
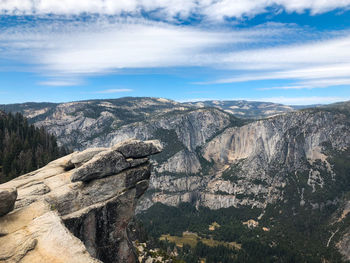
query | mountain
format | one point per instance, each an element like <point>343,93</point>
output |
<point>72,211</point>
<point>278,187</point>
<point>247,109</point>
<point>86,123</point>
<point>291,171</point>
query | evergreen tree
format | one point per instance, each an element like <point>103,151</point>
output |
<point>23,147</point>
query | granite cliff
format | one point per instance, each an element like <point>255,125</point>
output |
<point>77,208</point>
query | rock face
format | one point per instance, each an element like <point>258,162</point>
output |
<point>72,210</point>
<point>252,165</point>
<point>7,200</point>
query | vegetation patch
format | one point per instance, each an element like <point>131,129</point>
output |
<point>172,144</point>
<point>23,147</point>
<point>287,232</point>
<point>192,239</point>
<point>231,174</point>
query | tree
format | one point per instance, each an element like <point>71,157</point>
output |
<point>23,147</point>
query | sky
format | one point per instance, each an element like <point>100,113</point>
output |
<point>294,52</point>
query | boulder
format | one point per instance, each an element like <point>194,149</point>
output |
<point>138,149</point>
<point>104,164</point>
<point>8,198</point>
<point>124,155</point>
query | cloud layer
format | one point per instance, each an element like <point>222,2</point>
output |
<point>168,9</point>
<point>102,46</point>
<point>65,51</point>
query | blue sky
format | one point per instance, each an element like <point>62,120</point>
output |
<point>291,52</point>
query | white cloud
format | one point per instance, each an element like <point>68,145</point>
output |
<point>286,88</point>
<point>132,46</point>
<point>317,64</point>
<point>71,48</point>
<point>61,83</point>
<point>310,54</point>
<point>312,100</point>
<point>301,100</point>
<point>101,45</point>
<point>111,91</point>
<point>169,9</point>
<point>329,71</point>
<point>313,84</point>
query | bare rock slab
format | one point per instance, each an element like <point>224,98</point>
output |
<point>104,164</point>
<point>82,157</point>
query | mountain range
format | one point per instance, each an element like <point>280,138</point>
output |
<point>287,168</point>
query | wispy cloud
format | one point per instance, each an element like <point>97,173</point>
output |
<point>64,48</point>
<point>332,72</point>
<point>317,64</point>
<point>313,84</point>
<point>111,91</point>
<point>168,9</point>
<point>282,100</point>
<point>302,100</point>
<point>60,83</point>
<point>286,88</point>
<point>102,46</point>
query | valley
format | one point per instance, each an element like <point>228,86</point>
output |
<point>288,171</point>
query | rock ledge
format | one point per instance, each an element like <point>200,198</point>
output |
<point>77,208</point>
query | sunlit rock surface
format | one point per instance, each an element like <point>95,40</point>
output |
<point>77,208</point>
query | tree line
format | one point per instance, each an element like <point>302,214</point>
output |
<point>24,147</point>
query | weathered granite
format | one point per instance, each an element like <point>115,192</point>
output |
<point>138,149</point>
<point>80,158</point>
<point>103,164</point>
<point>58,218</point>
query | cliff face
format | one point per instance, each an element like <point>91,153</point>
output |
<point>251,165</point>
<point>77,208</point>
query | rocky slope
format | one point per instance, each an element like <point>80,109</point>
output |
<point>80,125</point>
<point>77,208</point>
<point>247,109</point>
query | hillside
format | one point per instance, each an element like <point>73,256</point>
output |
<point>24,148</point>
<point>81,124</point>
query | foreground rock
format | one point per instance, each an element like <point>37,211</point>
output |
<point>61,217</point>
<point>7,200</point>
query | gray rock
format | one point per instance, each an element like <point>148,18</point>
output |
<point>80,158</point>
<point>138,149</point>
<point>8,198</point>
<point>137,162</point>
<point>137,175</point>
<point>104,164</point>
